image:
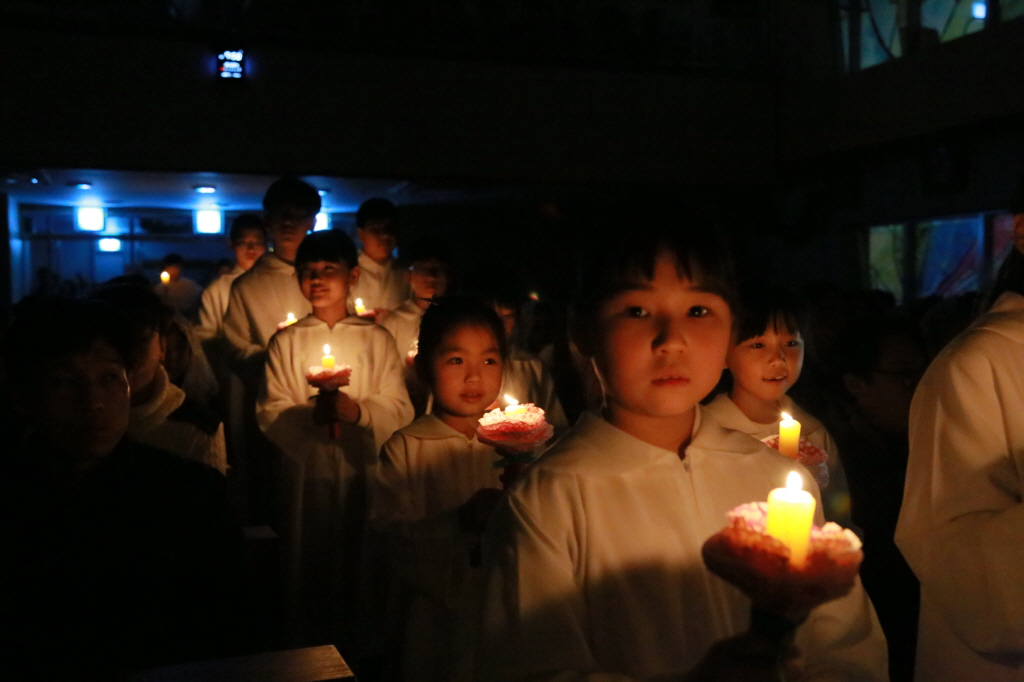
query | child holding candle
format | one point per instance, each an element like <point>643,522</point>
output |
<point>764,362</point>
<point>322,476</point>
<point>594,561</point>
<point>436,484</point>
<point>382,287</point>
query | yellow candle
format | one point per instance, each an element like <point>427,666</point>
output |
<point>790,515</point>
<point>327,360</point>
<point>513,406</point>
<point>165,277</point>
<point>290,319</point>
<point>360,308</point>
<point>789,436</point>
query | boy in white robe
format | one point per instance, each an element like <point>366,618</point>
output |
<point>595,566</point>
<point>382,286</point>
<point>322,477</point>
<point>248,239</point>
<point>527,378</point>
<point>435,486</point>
<point>961,527</point>
<point>261,298</point>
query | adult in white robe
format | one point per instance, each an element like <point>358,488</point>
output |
<point>260,300</point>
<point>837,496</point>
<point>380,286</point>
<point>322,480</point>
<point>528,380</point>
<point>961,527</point>
<point>595,572</point>
<point>427,471</point>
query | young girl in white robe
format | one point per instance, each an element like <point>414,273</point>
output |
<point>593,560</point>
<point>764,363</point>
<point>322,483</point>
<point>435,485</point>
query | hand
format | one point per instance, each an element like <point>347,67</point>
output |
<point>473,514</point>
<point>745,658</point>
<point>335,406</point>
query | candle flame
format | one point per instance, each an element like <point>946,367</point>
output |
<point>327,349</point>
<point>291,317</point>
<point>165,277</point>
<point>510,400</point>
<point>794,481</point>
<point>786,417</point>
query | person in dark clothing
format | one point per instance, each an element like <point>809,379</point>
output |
<point>117,556</point>
<point>877,363</point>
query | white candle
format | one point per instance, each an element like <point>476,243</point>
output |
<point>360,308</point>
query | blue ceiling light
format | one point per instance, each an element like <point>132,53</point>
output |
<point>206,189</point>
<point>323,222</point>
<point>83,185</point>
<point>979,9</point>
<point>109,245</point>
<point>323,192</point>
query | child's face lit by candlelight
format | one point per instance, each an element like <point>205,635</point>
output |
<point>661,348</point>
<point>766,366</point>
<point>249,248</point>
<point>326,284</point>
<point>467,372</point>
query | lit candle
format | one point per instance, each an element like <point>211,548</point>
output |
<point>165,277</point>
<point>290,319</point>
<point>360,308</point>
<point>790,515</point>
<point>789,436</point>
<point>327,361</point>
<point>513,406</point>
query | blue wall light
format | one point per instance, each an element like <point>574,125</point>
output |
<point>110,245</point>
<point>323,222</point>
<point>90,218</point>
<point>979,10</point>
<point>209,221</point>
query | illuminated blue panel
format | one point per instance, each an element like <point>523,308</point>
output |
<point>90,218</point>
<point>110,245</point>
<point>979,10</point>
<point>206,189</point>
<point>209,221</point>
<point>323,222</point>
<point>231,64</point>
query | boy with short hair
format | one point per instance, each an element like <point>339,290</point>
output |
<point>382,285</point>
<point>323,516</point>
<point>262,297</point>
<point>179,292</point>
<point>248,239</point>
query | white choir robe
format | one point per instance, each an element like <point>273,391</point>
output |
<point>961,527</point>
<point>323,480</point>
<point>528,380</point>
<point>404,325</point>
<point>149,424</point>
<point>260,299</point>
<point>837,496</point>
<point>594,568</point>
<point>427,471</point>
<point>214,304</point>
<point>379,286</point>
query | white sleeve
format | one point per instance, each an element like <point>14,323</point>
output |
<point>280,411</point>
<point>238,329</point>
<point>211,315</point>
<point>389,409</point>
<point>961,527</point>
